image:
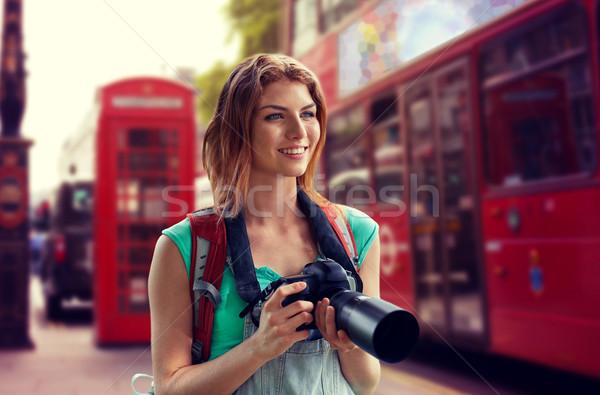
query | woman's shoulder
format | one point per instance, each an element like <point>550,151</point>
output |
<point>357,218</point>
<point>179,229</point>
<point>364,229</point>
<point>181,234</point>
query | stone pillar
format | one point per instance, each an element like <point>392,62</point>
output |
<point>14,243</point>
<point>14,188</point>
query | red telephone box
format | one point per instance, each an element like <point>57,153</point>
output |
<point>144,183</point>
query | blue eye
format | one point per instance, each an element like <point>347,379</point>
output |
<point>274,116</point>
<point>307,114</point>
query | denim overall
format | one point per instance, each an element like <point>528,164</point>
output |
<point>308,367</point>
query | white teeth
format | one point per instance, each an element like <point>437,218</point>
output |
<point>291,151</point>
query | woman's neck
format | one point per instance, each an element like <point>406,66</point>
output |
<point>271,201</point>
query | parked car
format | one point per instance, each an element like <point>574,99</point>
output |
<point>67,253</point>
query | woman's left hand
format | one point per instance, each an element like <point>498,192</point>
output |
<point>325,320</point>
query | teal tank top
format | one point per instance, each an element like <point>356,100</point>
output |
<point>228,328</point>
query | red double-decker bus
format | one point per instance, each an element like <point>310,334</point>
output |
<point>468,130</point>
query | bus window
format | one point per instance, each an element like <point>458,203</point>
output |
<point>422,157</point>
<point>455,132</point>
<point>389,154</point>
<point>346,161</point>
<point>537,89</point>
<point>388,157</point>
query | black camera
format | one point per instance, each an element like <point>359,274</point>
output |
<point>380,328</point>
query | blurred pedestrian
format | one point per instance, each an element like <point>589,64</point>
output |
<point>36,241</point>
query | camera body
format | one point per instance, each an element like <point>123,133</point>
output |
<point>324,278</point>
<point>380,328</point>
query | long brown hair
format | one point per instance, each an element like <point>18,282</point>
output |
<point>227,152</point>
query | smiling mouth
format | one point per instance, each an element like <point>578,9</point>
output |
<point>293,151</point>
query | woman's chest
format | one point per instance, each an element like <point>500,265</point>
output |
<point>284,255</point>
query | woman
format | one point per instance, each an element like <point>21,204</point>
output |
<point>261,151</point>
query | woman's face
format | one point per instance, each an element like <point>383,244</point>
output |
<point>285,130</point>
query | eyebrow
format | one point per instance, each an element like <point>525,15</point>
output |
<point>279,108</point>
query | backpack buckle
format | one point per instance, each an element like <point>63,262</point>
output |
<point>197,348</point>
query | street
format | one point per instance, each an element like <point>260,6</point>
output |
<point>65,360</point>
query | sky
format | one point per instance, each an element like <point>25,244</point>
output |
<point>75,46</point>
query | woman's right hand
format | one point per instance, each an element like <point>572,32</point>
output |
<point>277,330</point>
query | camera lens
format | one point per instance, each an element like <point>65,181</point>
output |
<point>380,328</point>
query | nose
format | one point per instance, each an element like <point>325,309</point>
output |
<point>296,129</point>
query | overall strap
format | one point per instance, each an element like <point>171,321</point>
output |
<point>209,252</point>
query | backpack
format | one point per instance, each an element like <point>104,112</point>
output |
<point>208,257</point>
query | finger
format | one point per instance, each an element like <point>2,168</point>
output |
<point>321,313</point>
<point>301,335</point>
<point>300,319</point>
<point>297,307</point>
<point>287,319</point>
<point>282,292</point>
<point>338,339</point>
<point>330,323</point>
<point>278,316</point>
<point>325,324</point>
<point>319,316</point>
<point>287,329</point>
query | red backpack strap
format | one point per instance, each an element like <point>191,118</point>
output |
<point>209,252</point>
<point>342,229</point>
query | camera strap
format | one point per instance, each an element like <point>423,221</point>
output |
<point>246,283</point>
<point>330,236</point>
<point>261,297</point>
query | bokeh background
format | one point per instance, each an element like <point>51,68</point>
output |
<point>467,129</point>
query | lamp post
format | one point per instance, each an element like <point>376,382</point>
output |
<point>14,191</point>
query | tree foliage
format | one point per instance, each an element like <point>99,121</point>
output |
<point>210,84</point>
<point>256,22</point>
